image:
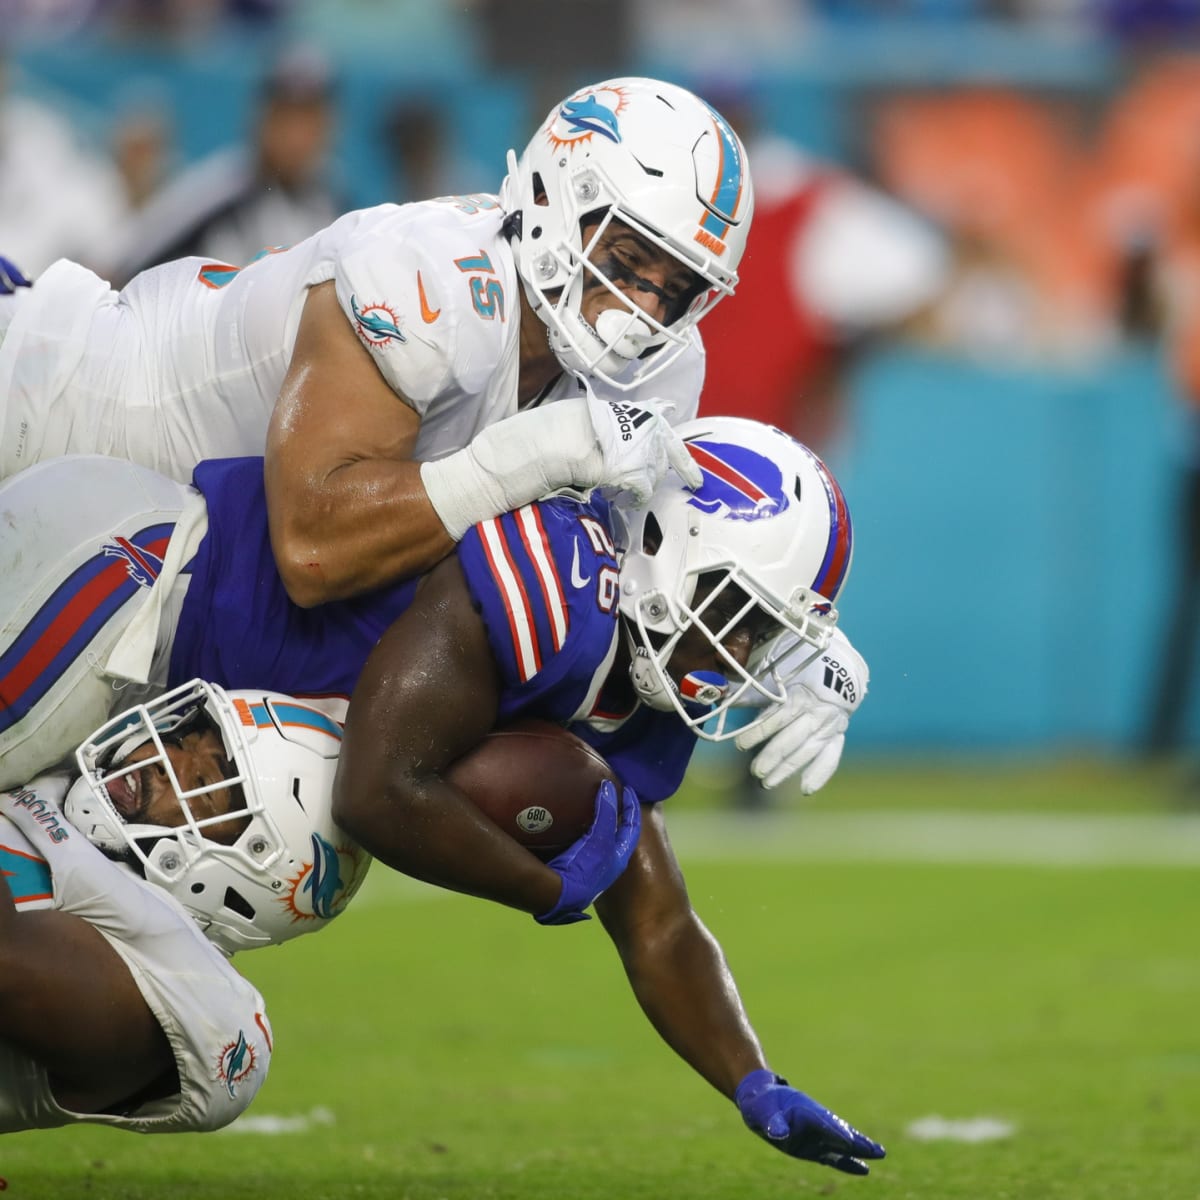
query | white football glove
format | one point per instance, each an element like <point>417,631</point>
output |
<point>637,447</point>
<point>579,443</point>
<point>805,732</point>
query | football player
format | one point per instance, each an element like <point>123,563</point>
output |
<point>640,627</point>
<point>412,370</point>
<point>118,1002</point>
<point>373,360</point>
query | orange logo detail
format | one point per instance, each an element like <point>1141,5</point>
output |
<point>428,315</point>
<point>707,240</point>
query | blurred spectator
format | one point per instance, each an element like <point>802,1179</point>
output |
<point>59,197</point>
<point>830,264</point>
<point>274,192</point>
<point>999,171</point>
<point>143,147</point>
<point>421,157</point>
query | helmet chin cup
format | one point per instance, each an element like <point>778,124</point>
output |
<point>624,333</point>
<point>607,350</point>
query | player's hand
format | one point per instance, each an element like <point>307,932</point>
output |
<point>11,277</point>
<point>796,1124</point>
<point>805,732</point>
<point>637,448</point>
<point>595,862</point>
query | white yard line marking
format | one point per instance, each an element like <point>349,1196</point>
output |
<point>986,839</point>
<point>969,1129</point>
<point>271,1125</point>
<point>1023,839</point>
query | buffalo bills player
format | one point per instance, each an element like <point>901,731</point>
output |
<point>641,628</point>
<point>118,1002</point>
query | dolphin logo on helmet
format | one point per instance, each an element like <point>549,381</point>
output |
<point>585,115</point>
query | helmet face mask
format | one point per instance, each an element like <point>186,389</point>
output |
<point>271,867</point>
<point>660,161</point>
<point>763,545</point>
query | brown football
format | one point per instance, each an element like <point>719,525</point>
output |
<point>536,781</point>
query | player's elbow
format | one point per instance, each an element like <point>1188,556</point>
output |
<point>303,571</point>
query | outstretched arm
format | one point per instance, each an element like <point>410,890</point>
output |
<point>684,985</point>
<point>676,967</point>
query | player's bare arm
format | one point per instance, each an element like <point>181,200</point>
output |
<point>347,507</point>
<point>428,694</point>
<point>53,966</point>
<point>675,966</point>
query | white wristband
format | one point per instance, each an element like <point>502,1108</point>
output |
<point>512,463</point>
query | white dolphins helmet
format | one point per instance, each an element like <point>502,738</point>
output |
<point>656,157</point>
<point>290,870</point>
<point>769,529</point>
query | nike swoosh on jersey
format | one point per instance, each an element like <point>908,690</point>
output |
<point>428,315</point>
<point>578,580</point>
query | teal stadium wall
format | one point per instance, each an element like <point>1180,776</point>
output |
<point>1014,549</point>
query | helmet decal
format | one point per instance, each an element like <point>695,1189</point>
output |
<point>739,483</point>
<point>836,562</point>
<point>324,880</point>
<point>726,196</point>
<point>585,114</point>
<point>299,716</point>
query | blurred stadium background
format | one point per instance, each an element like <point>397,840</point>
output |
<point>988,899</point>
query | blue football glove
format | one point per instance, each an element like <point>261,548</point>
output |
<point>595,862</point>
<point>799,1126</point>
<point>11,277</point>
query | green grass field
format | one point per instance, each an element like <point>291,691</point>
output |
<point>431,1047</point>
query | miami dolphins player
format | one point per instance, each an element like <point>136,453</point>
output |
<point>641,628</point>
<point>372,362</point>
<point>118,1002</point>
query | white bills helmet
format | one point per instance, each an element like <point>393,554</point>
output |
<point>290,869</point>
<point>769,534</point>
<point>656,157</point>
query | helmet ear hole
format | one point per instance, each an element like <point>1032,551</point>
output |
<point>239,904</point>
<point>652,535</point>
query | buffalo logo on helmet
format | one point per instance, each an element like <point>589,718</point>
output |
<point>587,114</point>
<point>739,484</point>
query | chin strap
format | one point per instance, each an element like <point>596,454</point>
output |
<point>656,689</point>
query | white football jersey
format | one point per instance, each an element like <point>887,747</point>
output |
<point>214,1019</point>
<point>185,363</point>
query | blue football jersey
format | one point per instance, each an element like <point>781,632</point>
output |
<point>239,628</point>
<point>544,579</point>
<point>546,583</point>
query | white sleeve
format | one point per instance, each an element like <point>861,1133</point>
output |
<point>413,285</point>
